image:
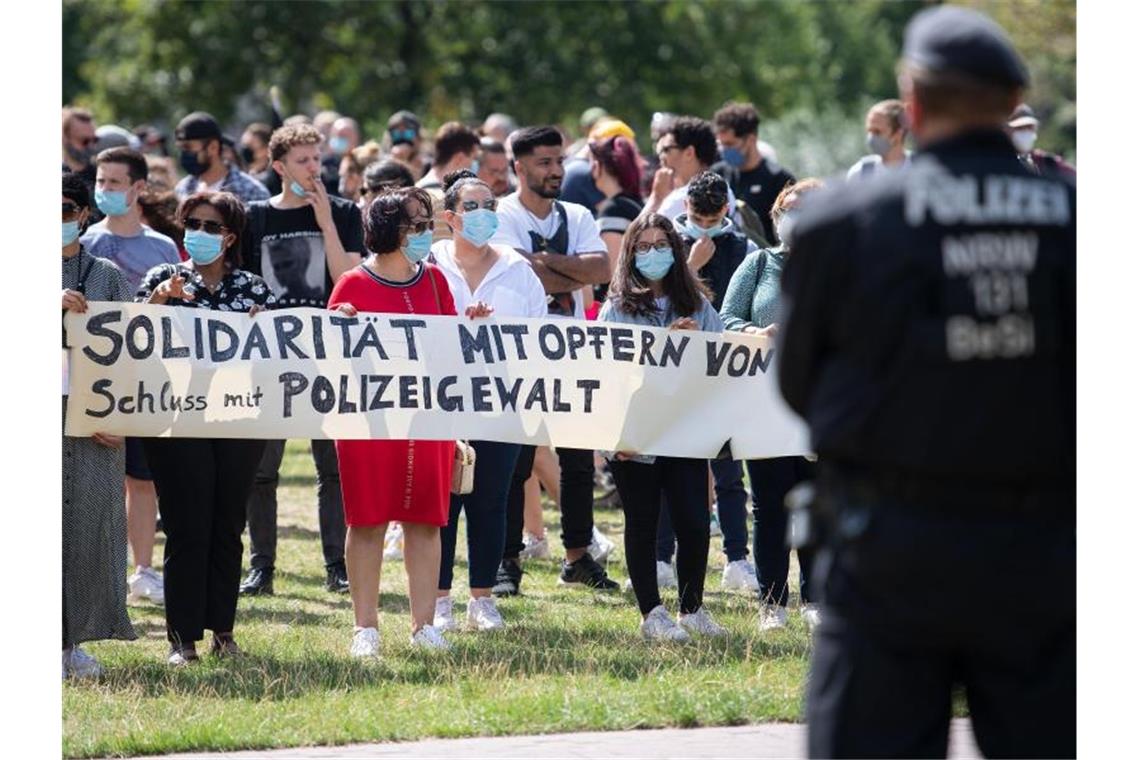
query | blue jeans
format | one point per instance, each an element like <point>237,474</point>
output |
<point>731,510</point>
<point>771,480</point>
<point>486,508</point>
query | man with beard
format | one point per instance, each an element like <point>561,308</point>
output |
<point>562,243</point>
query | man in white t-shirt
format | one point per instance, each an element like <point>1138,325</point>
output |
<point>562,243</point>
<point>687,148</point>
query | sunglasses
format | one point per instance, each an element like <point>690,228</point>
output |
<point>212,228</point>
<point>70,210</point>
<point>405,135</point>
<point>420,228</point>
<point>490,205</point>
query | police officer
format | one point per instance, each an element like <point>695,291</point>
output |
<point>930,345</point>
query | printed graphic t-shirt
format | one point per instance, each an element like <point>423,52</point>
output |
<point>286,249</point>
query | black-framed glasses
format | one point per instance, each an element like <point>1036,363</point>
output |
<point>420,227</point>
<point>210,227</point>
<point>664,150</point>
<point>70,211</point>
<point>643,246</point>
<point>490,205</point>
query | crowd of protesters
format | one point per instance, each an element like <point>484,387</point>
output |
<point>471,221</point>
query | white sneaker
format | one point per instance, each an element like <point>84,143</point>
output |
<point>444,618</point>
<point>658,626</point>
<point>146,584</point>
<point>739,576</point>
<point>701,623</point>
<point>394,542</point>
<point>600,546</point>
<point>811,616</point>
<point>430,637</point>
<point>665,576</point>
<point>79,664</point>
<point>365,643</point>
<point>534,547</point>
<point>773,617</point>
<point>483,615</point>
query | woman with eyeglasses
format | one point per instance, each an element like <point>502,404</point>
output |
<point>94,511</point>
<point>203,483</point>
<point>479,272</point>
<point>405,481</point>
<point>653,286</point>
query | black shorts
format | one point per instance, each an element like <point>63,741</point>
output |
<point>136,460</point>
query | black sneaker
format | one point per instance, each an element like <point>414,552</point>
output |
<point>508,578</point>
<point>587,572</point>
<point>337,580</point>
<point>259,582</point>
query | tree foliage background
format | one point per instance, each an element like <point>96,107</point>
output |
<point>811,68</point>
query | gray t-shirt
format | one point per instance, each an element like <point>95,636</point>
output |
<point>135,255</point>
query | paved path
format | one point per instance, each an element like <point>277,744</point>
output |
<point>768,740</point>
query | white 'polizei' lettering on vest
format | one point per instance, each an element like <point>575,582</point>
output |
<point>1000,199</point>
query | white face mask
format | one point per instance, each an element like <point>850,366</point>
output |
<point>1023,140</point>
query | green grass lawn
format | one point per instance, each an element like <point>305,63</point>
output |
<point>569,660</point>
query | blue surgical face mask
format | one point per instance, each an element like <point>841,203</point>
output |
<point>878,144</point>
<point>732,157</point>
<point>418,246</point>
<point>694,230</point>
<point>112,202</point>
<point>203,247</point>
<point>70,232</point>
<point>475,166</point>
<point>479,225</point>
<point>654,263</point>
<point>338,145</point>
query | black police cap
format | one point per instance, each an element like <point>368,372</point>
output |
<point>954,39</point>
<point>198,126</point>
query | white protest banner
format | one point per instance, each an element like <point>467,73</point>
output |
<point>144,370</point>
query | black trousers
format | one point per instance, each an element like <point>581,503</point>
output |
<point>684,483</point>
<point>917,601</point>
<point>771,480</point>
<point>576,499</point>
<point>262,509</point>
<point>202,486</point>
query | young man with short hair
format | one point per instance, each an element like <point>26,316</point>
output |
<point>456,147</point>
<point>567,253</point>
<point>200,142</point>
<point>120,178</point>
<point>255,153</point>
<point>753,177</point>
<point>686,149</point>
<point>300,241</point>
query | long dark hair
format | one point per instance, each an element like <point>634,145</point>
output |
<point>233,218</point>
<point>630,291</point>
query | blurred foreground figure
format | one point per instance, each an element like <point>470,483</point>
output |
<point>930,345</point>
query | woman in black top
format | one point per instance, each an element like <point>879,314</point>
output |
<point>616,168</point>
<point>203,483</point>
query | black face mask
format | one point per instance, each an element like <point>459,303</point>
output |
<point>191,164</point>
<point>247,154</point>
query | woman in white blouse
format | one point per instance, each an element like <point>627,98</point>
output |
<point>500,277</point>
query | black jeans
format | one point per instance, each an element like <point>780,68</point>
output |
<point>771,481</point>
<point>916,601</point>
<point>203,485</point>
<point>731,511</point>
<point>684,483</point>
<point>486,510</point>
<point>262,511</point>
<point>576,499</point>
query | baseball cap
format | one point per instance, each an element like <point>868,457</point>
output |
<point>198,126</point>
<point>608,127</point>
<point>1022,116</point>
<point>114,136</point>
<point>953,39</point>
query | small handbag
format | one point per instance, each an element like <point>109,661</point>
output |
<point>463,468</point>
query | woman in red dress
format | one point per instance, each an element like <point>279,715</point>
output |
<point>392,480</point>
